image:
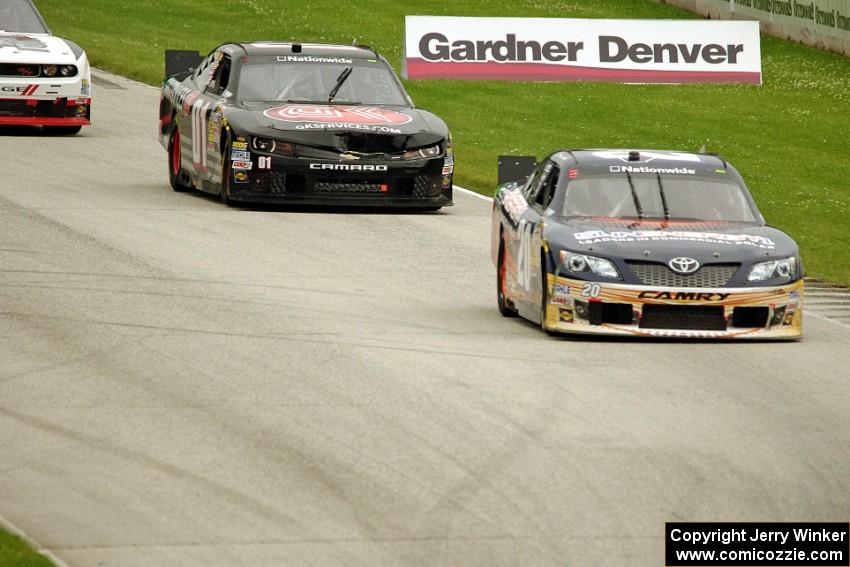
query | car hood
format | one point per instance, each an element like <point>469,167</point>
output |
<point>341,127</point>
<point>37,49</point>
<point>713,242</point>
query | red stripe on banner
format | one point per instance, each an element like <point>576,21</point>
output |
<point>422,69</point>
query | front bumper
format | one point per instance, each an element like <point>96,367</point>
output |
<point>768,313</point>
<point>63,111</point>
<point>420,183</point>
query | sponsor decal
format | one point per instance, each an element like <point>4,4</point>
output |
<point>647,157</point>
<point>328,114</point>
<point>27,90</point>
<point>558,49</point>
<point>312,59</point>
<point>447,182</point>
<point>794,295</point>
<point>240,155</point>
<point>85,89</point>
<point>244,165</point>
<point>644,169</point>
<point>561,290</point>
<point>565,315</point>
<point>600,236</point>
<point>214,127</point>
<point>449,160</point>
<point>683,296</point>
<point>514,203</point>
<point>240,177</point>
<point>347,167</point>
<point>349,126</point>
<point>239,145</point>
<point>448,169</point>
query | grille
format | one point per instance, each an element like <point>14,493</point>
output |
<point>326,187</point>
<point>277,183</point>
<point>683,317</point>
<point>422,187</point>
<point>711,275</point>
<point>16,108</point>
<point>14,70</point>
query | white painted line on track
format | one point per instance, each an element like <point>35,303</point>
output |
<point>473,193</point>
<point>825,318</point>
<point>15,530</point>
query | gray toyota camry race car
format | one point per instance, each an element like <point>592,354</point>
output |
<point>301,123</point>
<point>644,243</point>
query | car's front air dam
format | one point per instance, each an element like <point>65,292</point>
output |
<point>577,306</point>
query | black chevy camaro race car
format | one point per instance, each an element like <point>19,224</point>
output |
<point>301,123</point>
<point>647,243</point>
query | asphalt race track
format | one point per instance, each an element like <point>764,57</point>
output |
<point>184,384</point>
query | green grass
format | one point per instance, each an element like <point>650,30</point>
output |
<point>16,553</point>
<point>790,138</point>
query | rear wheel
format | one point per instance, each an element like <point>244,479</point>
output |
<point>62,130</point>
<point>505,309</point>
<point>175,167</point>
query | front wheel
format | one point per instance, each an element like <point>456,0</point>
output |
<point>62,130</point>
<point>175,167</point>
<point>224,191</point>
<point>544,299</point>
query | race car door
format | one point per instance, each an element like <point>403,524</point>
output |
<point>528,244</point>
<point>198,116</point>
<point>216,93</point>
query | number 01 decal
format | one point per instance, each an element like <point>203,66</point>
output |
<point>591,290</point>
<point>264,162</point>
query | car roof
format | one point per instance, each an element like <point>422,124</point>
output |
<point>306,49</point>
<point>602,159</point>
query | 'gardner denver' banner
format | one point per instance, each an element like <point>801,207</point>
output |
<point>550,49</point>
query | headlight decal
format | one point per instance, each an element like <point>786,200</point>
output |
<point>582,263</point>
<point>785,268</point>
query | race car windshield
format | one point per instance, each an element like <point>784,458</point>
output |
<point>676,197</point>
<point>269,80</point>
<point>19,16</point>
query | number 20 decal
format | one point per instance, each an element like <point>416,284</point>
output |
<point>591,290</point>
<point>264,162</point>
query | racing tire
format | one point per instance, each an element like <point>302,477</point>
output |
<point>505,309</point>
<point>175,169</point>
<point>62,130</point>
<point>224,190</point>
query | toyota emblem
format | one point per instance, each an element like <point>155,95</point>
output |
<point>683,265</point>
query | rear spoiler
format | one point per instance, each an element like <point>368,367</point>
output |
<point>178,61</point>
<point>515,168</point>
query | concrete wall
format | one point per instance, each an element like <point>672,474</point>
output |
<point>819,23</point>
